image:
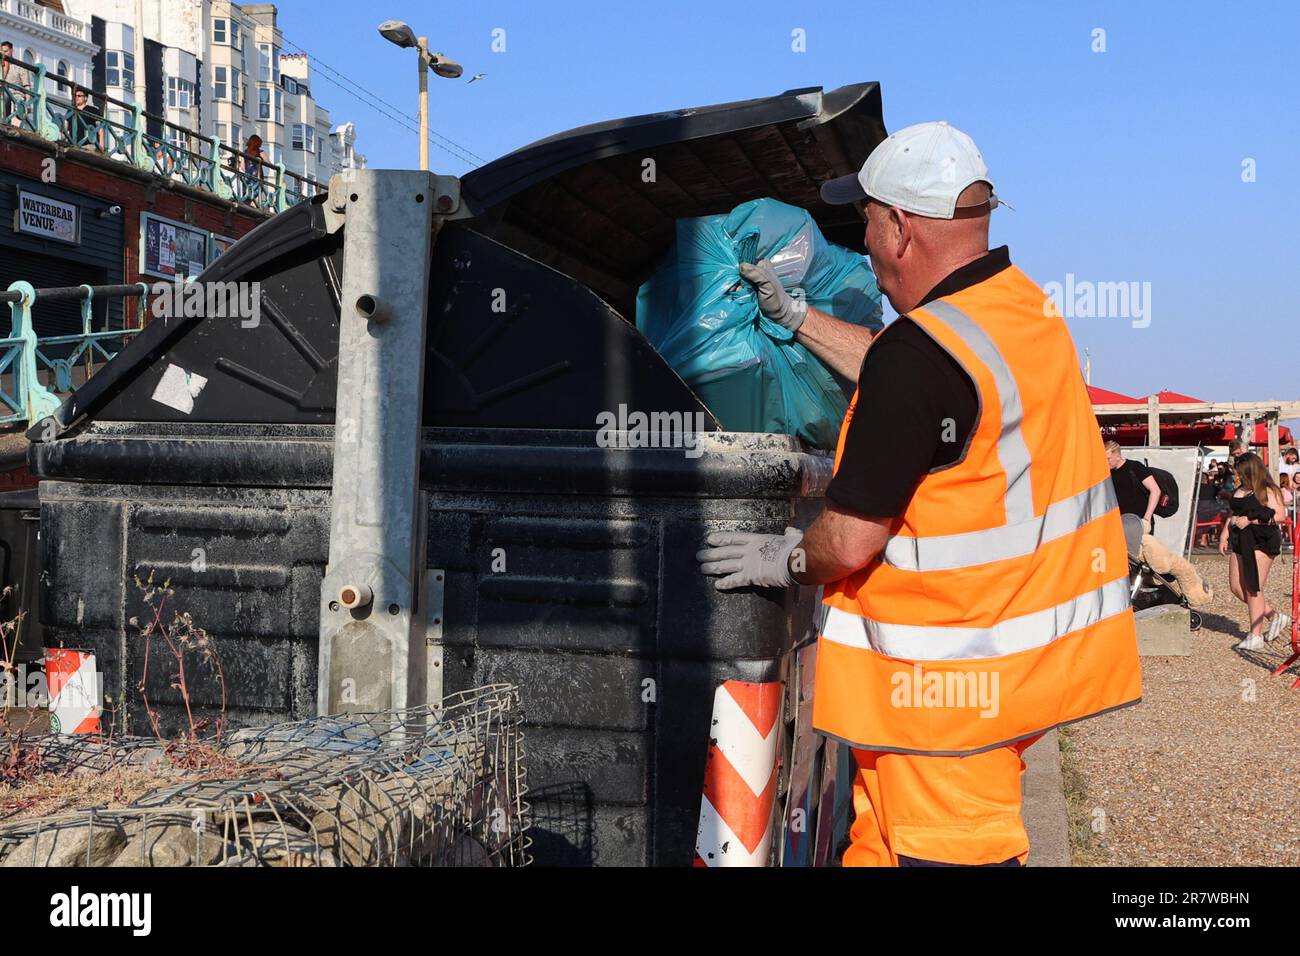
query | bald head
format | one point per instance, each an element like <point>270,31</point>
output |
<point>912,254</point>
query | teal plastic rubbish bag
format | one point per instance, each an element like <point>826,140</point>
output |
<point>703,318</point>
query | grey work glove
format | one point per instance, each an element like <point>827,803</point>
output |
<point>773,301</point>
<point>744,559</point>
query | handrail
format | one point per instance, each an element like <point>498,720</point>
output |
<point>23,355</point>
<point>179,154</point>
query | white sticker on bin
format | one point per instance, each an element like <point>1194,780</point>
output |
<point>178,388</point>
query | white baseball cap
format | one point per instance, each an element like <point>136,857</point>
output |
<point>921,169</point>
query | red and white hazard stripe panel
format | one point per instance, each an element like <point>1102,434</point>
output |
<point>740,776</point>
<point>74,691</point>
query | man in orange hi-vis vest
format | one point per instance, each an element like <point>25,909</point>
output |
<point>971,551</point>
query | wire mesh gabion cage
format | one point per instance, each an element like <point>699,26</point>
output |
<point>439,785</point>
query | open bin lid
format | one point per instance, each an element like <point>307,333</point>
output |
<point>570,220</point>
<point>600,202</point>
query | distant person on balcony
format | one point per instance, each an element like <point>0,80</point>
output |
<point>13,73</point>
<point>84,124</point>
<point>254,158</point>
<point>251,167</point>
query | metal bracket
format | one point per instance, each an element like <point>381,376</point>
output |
<point>445,195</point>
<point>434,603</point>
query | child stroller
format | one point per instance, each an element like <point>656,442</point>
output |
<point>1149,588</point>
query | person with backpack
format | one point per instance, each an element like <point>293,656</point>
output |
<point>1136,487</point>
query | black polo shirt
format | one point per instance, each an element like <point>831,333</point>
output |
<point>916,408</point>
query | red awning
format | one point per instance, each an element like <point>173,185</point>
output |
<point>1195,433</point>
<point>1104,396</point>
<point>1261,434</point>
<point>1182,433</point>
<point>1174,398</point>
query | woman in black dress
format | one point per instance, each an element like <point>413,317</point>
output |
<point>1251,538</point>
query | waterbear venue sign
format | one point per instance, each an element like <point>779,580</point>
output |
<point>48,218</point>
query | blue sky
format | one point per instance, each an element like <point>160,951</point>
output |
<point>1123,166</point>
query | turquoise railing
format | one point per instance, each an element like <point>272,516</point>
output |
<point>26,359</point>
<point>180,154</point>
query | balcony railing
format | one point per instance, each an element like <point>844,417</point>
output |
<point>179,154</point>
<point>36,372</point>
<point>50,19</point>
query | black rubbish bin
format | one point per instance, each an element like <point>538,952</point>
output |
<point>568,559</point>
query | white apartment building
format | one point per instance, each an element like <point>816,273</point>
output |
<point>310,151</point>
<point>217,68</point>
<point>267,106</point>
<point>160,69</point>
<point>43,34</point>
<point>228,44</point>
<point>116,72</point>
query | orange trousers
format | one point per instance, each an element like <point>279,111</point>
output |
<point>958,810</point>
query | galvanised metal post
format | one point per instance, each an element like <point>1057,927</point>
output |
<point>422,51</point>
<point>38,401</point>
<point>372,635</point>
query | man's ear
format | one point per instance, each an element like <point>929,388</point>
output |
<point>900,223</point>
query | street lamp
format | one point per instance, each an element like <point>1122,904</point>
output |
<point>398,33</point>
<point>395,31</point>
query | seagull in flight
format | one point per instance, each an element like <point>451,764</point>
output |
<point>477,76</point>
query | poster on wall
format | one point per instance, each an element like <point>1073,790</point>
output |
<point>172,249</point>
<point>217,245</point>
<point>192,250</point>
<point>166,249</point>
